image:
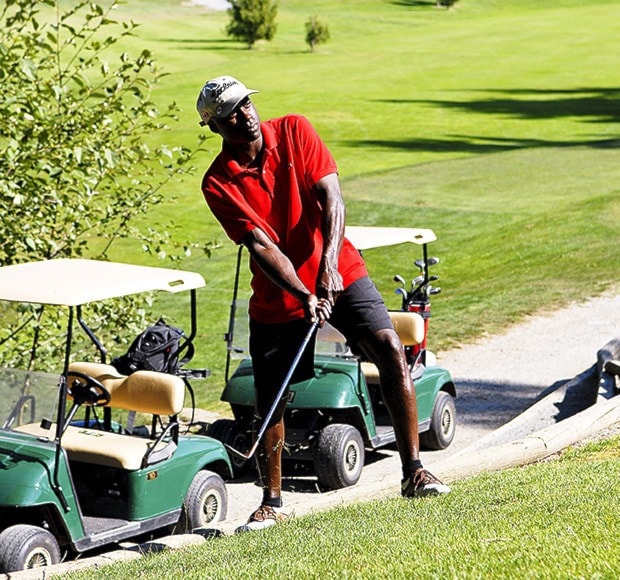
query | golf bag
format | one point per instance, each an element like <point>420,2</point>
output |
<point>158,348</point>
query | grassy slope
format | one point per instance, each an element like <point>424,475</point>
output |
<point>559,519</point>
<point>493,124</point>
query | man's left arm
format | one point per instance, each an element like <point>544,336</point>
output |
<point>329,283</point>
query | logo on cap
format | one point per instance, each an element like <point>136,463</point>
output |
<point>219,96</point>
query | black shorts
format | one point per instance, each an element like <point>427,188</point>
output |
<point>273,348</point>
<point>358,312</point>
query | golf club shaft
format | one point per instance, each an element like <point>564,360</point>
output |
<point>280,393</point>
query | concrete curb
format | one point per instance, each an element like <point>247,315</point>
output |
<point>526,439</point>
<point>518,442</point>
<point>503,448</point>
<point>121,555</point>
<point>534,447</point>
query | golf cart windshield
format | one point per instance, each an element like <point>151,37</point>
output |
<point>27,397</point>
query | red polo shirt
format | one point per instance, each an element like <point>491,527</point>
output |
<point>280,198</point>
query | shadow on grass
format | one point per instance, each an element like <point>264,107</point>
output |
<point>592,105</point>
<point>416,3</point>
<point>478,145</point>
<point>215,44</point>
<point>205,44</point>
<point>599,104</point>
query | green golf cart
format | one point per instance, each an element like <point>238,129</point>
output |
<point>334,417</point>
<point>78,469</point>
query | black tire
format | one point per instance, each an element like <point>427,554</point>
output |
<point>227,431</point>
<point>23,547</point>
<point>205,503</point>
<point>339,456</point>
<point>443,423</point>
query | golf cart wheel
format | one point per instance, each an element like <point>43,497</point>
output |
<point>23,547</point>
<point>206,502</point>
<point>339,456</point>
<point>227,431</point>
<point>443,423</point>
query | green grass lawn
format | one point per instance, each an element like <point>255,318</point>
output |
<point>558,519</point>
<point>495,124</point>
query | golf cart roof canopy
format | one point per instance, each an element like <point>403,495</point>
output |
<point>73,282</point>
<point>367,237</point>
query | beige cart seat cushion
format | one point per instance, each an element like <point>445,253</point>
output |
<point>98,447</point>
<point>143,391</point>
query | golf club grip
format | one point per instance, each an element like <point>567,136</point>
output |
<point>286,380</point>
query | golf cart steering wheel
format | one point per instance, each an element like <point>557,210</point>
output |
<point>84,389</point>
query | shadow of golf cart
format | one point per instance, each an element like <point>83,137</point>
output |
<point>335,416</point>
<point>78,469</point>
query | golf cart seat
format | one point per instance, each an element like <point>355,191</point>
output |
<point>410,328</point>
<point>143,391</point>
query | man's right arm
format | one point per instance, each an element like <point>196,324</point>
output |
<point>280,270</point>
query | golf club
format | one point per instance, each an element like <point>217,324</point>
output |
<point>417,281</point>
<point>402,292</point>
<point>279,395</point>
<point>423,265</point>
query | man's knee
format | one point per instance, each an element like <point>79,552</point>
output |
<point>384,346</point>
<point>389,340</point>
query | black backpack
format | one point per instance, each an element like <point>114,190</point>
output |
<point>157,348</point>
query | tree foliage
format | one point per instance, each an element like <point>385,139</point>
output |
<point>77,168</point>
<point>252,20</point>
<point>317,32</point>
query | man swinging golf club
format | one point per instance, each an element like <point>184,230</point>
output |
<point>274,188</point>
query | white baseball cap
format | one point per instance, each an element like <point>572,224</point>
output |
<point>219,97</point>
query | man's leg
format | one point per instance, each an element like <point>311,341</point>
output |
<point>361,315</point>
<point>273,348</point>
<point>269,460</point>
<point>385,350</point>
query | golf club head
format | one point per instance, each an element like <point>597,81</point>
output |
<point>238,453</point>
<point>399,279</point>
<point>433,261</point>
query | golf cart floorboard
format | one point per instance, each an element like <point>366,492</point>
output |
<point>385,436</point>
<point>97,525</point>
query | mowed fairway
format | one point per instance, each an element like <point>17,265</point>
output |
<point>495,124</point>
